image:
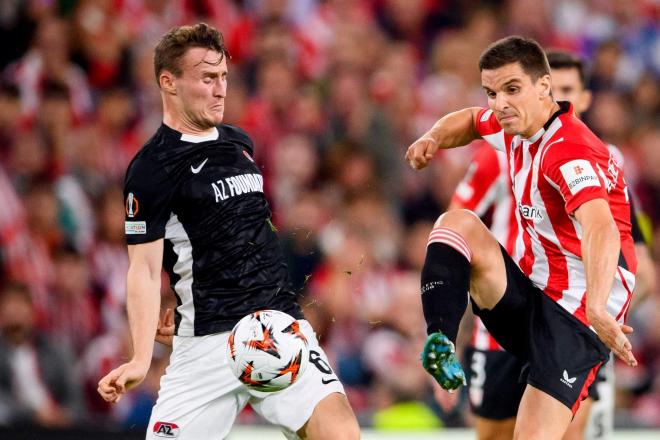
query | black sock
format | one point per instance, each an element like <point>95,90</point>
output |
<point>445,286</point>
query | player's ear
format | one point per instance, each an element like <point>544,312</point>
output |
<point>545,87</point>
<point>167,82</point>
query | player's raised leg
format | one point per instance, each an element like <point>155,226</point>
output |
<point>462,255</point>
<point>536,408</point>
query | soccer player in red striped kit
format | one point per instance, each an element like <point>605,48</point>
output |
<point>561,309</point>
<point>493,387</point>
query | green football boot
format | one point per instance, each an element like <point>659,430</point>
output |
<point>439,360</point>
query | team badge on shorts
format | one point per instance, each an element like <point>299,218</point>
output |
<point>165,429</point>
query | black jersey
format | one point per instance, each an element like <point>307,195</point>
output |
<point>204,196</point>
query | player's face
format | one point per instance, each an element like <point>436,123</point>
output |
<point>566,86</point>
<point>517,101</point>
<point>202,87</point>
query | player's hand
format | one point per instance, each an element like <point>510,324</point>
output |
<point>421,152</point>
<point>613,334</point>
<point>117,382</point>
<point>165,330</point>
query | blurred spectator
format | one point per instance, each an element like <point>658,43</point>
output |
<point>329,30</point>
<point>13,232</point>
<point>38,381</point>
<point>10,105</point>
<point>355,120</point>
<point>102,48</point>
<point>302,224</point>
<point>29,160</point>
<point>352,171</point>
<point>49,60</point>
<point>608,67</point>
<point>646,100</point>
<point>647,141</point>
<point>54,124</point>
<point>17,26</point>
<point>268,116</point>
<point>393,86</point>
<point>114,133</point>
<point>610,119</point>
<point>390,350</point>
<point>73,305</point>
<point>530,18</point>
<point>295,169</point>
<point>109,258</point>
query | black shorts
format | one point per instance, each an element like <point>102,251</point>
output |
<point>562,355</point>
<point>494,388</point>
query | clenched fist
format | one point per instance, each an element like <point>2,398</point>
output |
<point>421,152</point>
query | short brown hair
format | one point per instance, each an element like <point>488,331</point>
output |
<point>516,49</point>
<point>174,44</point>
<point>561,59</point>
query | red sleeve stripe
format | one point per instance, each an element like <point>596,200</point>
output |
<point>451,238</point>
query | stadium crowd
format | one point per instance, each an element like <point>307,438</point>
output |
<point>332,92</point>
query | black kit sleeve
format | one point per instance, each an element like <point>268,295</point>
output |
<point>147,201</point>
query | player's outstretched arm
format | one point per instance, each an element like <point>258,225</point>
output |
<point>452,130</point>
<point>143,304</point>
<point>601,245</point>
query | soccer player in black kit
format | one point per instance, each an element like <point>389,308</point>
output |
<point>195,206</point>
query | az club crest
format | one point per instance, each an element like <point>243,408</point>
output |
<point>165,429</point>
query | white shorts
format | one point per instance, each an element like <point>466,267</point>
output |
<point>199,396</point>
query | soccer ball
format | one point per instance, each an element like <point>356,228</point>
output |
<point>267,351</point>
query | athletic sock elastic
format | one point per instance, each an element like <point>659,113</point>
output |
<point>445,282</point>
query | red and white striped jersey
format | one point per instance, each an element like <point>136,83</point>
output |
<point>486,190</point>
<point>555,171</point>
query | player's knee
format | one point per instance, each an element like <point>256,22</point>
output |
<point>463,222</point>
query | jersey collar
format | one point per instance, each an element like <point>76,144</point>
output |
<point>564,107</point>
<point>197,139</point>
<point>175,134</point>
